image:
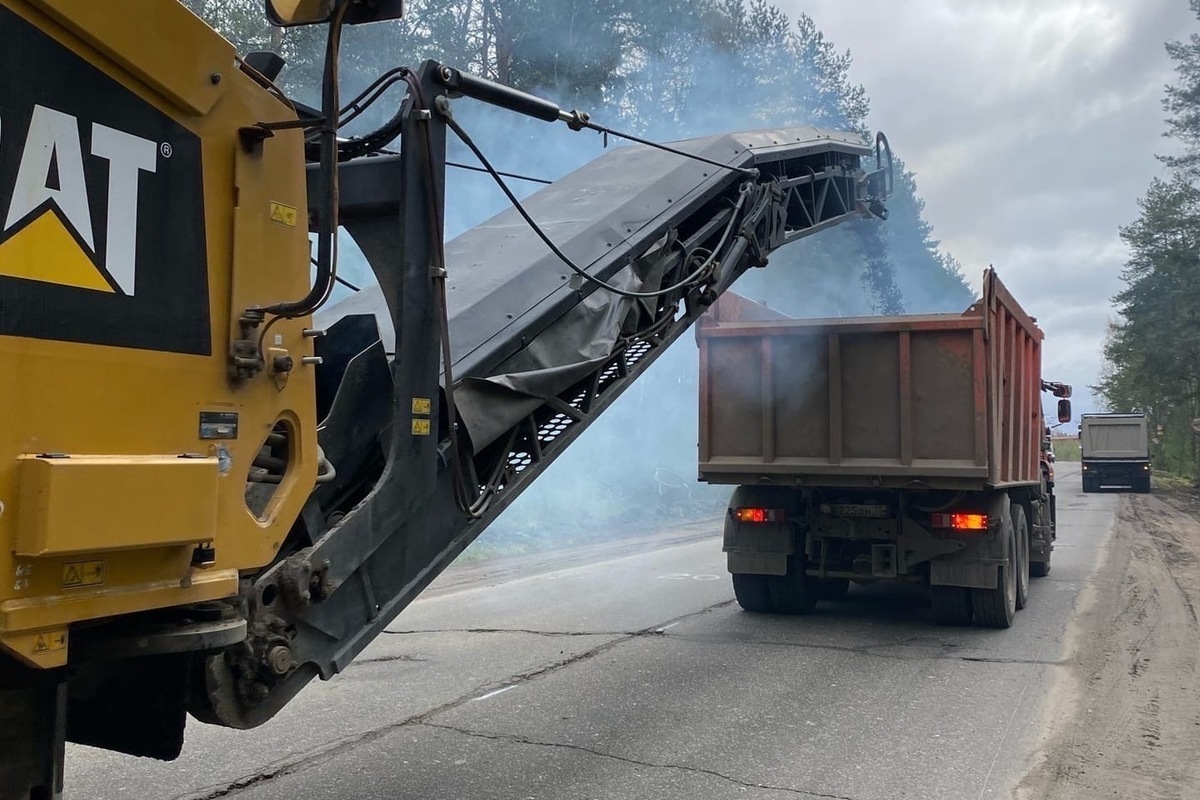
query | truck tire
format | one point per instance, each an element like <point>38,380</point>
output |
<point>1044,513</point>
<point>796,592</point>
<point>951,605</point>
<point>995,608</point>
<point>1021,531</point>
<point>832,588</point>
<point>752,592</point>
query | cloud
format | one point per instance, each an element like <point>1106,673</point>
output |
<point>1032,128</point>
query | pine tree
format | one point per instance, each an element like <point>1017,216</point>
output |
<point>1152,349</point>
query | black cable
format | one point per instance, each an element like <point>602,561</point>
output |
<point>341,280</point>
<point>541,234</point>
<point>347,283</point>
<point>352,113</point>
<point>513,175</point>
<point>581,120</point>
<point>390,77</point>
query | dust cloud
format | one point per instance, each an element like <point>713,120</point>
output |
<point>635,468</point>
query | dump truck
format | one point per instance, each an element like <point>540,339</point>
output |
<point>1115,452</point>
<point>902,449</point>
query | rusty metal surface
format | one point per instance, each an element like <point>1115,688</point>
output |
<point>948,400</point>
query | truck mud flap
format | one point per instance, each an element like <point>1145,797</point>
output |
<point>758,563</point>
<point>974,573</point>
<point>758,549</point>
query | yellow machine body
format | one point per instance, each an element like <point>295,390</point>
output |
<point>136,226</point>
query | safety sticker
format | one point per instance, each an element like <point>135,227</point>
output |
<point>82,573</point>
<point>46,642</point>
<point>284,215</point>
<point>420,427</point>
<point>421,405</point>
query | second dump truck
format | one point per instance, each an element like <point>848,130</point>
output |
<point>906,448</point>
<point>1115,451</point>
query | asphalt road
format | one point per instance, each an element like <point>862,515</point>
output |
<point>636,675</point>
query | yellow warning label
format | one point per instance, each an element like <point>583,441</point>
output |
<point>421,405</point>
<point>82,573</point>
<point>54,640</point>
<point>420,427</point>
<point>284,215</point>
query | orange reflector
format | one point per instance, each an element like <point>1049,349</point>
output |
<point>758,514</point>
<point>961,522</point>
<point>968,522</point>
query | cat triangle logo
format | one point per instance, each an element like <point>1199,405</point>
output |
<point>47,232</point>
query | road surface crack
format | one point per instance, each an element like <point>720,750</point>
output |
<point>873,650</point>
<point>1037,661</point>
<point>313,757</point>
<point>386,659</point>
<point>518,739</point>
<point>527,631</point>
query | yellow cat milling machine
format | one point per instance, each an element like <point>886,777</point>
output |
<point>209,497</point>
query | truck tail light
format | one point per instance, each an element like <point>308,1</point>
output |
<point>961,522</point>
<point>758,514</point>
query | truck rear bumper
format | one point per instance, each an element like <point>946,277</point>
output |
<point>1100,474</point>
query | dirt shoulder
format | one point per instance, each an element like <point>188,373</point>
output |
<point>1126,717</point>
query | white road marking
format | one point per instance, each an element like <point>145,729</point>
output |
<point>495,692</point>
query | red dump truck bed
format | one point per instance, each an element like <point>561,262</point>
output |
<point>947,400</point>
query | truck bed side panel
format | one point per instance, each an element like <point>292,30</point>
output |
<point>952,400</point>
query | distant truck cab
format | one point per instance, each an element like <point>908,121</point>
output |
<point>1115,451</point>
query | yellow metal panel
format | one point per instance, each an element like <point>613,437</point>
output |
<point>151,38</point>
<point>35,630</point>
<point>65,396</point>
<point>82,504</point>
<point>61,609</point>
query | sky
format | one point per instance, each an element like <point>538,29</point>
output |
<point>1032,127</point>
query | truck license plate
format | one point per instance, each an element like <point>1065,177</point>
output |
<point>860,510</point>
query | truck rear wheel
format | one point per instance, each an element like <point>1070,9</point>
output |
<point>995,608</point>
<point>1044,515</point>
<point>752,592</point>
<point>796,592</point>
<point>951,605</point>
<point>1021,531</point>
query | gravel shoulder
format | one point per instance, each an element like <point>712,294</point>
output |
<point>1124,720</point>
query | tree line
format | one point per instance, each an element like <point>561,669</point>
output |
<point>1152,350</point>
<point>670,69</point>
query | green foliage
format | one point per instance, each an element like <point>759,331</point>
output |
<point>1067,450</point>
<point>1152,351</point>
<point>1182,102</point>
